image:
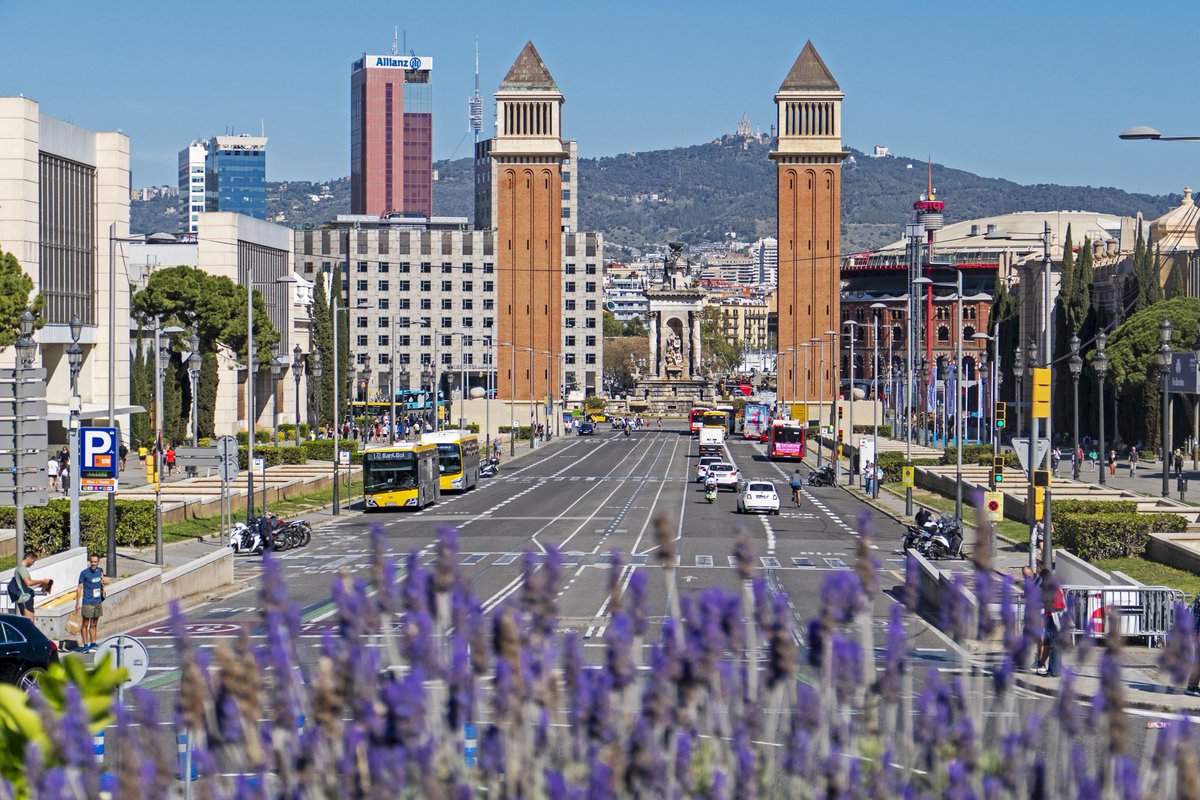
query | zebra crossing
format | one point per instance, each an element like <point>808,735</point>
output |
<point>808,560</point>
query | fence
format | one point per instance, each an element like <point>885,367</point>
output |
<point>1144,611</point>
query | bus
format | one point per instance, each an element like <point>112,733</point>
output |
<point>757,421</point>
<point>717,419</point>
<point>785,440</point>
<point>458,459</point>
<point>696,419</point>
<point>401,476</point>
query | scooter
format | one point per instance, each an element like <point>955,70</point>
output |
<point>915,538</point>
<point>626,430</point>
<point>710,493</point>
<point>489,467</point>
<point>946,541</point>
<point>822,477</point>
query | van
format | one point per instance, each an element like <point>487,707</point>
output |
<point>712,441</point>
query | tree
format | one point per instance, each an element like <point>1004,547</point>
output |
<point>140,394</point>
<point>635,327</point>
<point>1004,322</point>
<point>15,287</point>
<point>322,345</point>
<point>618,366</point>
<point>1176,283</point>
<point>713,340</point>
<point>612,326</point>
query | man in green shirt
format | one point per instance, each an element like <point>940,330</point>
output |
<point>26,584</point>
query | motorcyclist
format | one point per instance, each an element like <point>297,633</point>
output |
<point>710,483</point>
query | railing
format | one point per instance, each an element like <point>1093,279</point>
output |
<point>1144,611</point>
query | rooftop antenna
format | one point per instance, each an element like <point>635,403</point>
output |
<point>263,122</point>
<point>929,175</point>
<point>395,37</point>
<point>475,102</point>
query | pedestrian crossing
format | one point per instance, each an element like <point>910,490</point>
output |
<point>813,560</point>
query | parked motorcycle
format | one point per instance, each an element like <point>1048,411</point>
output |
<point>822,477</point>
<point>489,467</point>
<point>268,532</point>
<point>945,539</point>
<point>915,537</point>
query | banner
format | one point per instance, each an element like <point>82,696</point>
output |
<point>951,391</point>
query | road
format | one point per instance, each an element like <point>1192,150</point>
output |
<point>587,496</point>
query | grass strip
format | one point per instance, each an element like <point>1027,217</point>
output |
<point>186,529</point>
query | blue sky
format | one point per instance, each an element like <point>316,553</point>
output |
<point>1033,92</point>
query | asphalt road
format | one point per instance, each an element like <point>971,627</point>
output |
<point>589,496</point>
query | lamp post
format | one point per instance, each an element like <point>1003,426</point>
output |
<point>297,370</point>
<point>427,379</point>
<point>26,347</point>
<point>1031,498</point>
<point>316,370</point>
<point>1019,374</point>
<point>276,371</point>
<point>820,345</point>
<point>995,389</point>
<point>850,396</point>
<point>875,401</point>
<point>75,362</point>
<point>958,378</point>
<point>1076,366</point>
<point>194,363</point>
<point>162,359</point>
<point>1100,364</point>
<point>1164,368</point>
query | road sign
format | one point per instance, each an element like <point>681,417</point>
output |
<point>98,449</point>
<point>30,375</point>
<point>198,457</point>
<point>98,484</point>
<point>1040,448</point>
<point>129,653</point>
<point>994,503</point>
<point>1184,377</point>
<point>30,495</point>
<point>259,464</point>
<point>34,407</point>
<point>344,458</point>
<point>908,476</point>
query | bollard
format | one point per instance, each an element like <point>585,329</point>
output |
<point>470,744</point>
<point>98,747</point>
<point>187,765</point>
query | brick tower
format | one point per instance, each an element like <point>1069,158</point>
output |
<point>528,150</point>
<point>809,161</point>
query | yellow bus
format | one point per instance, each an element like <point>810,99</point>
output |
<point>403,476</point>
<point>458,459</point>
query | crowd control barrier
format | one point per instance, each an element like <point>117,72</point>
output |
<point>1142,611</point>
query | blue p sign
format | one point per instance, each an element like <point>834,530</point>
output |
<point>98,447</point>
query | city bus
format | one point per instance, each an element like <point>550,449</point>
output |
<point>785,440</point>
<point>716,419</point>
<point>458,459</point>
<point>402,476</point>
<point>696,419</point>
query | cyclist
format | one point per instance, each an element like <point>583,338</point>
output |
<point>797,482</point>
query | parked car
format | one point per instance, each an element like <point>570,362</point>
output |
<point>25,652</point>
<point>587,428</point>
<point>702,466</point>
<point>726,475</point>
<point>757,496</point>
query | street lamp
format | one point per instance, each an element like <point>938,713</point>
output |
<point>297,369</point>
<point>985,337</point>
<point>194,363</point>
<point>276,371</point>
<point>75,362</point>
<point>1019,374</point>
<point>26,347</point>
<point>820,345</point>
<point>853,330</point>
<point>1076,366</point>
<point>1100,364</point>
<point>1145,132</point>
<point>1164,368</point>
<point>316,370</point>
<point>958,377</point>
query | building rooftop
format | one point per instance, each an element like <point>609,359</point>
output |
<point>1176,229</point>
<point>809,73</point>
<point>1023,231</point>
<point>528,73</point>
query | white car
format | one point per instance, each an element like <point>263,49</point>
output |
<point>726,475</point>
<point>757,496</point>
<point>702,466</point>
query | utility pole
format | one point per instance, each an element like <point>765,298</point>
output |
<point>1048,356</point>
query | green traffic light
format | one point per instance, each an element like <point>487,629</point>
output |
<point>999,423</point>
<point>999,478</point>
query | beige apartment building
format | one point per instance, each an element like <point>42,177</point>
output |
<point>424,291</point>
<point>744,321</point>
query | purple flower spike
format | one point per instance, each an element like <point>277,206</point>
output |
<point>445,566</point>
<point>1180,650</point>
<point>842,595</point>
<point>1034,623</point>
<point>912,584</point>
<point>847,667</point>
<point>683,761</point>
<point>600,783</point>
<point>894,655</point>
<point>619,638</point>
<point>638,602</point>
<point>491,751</point>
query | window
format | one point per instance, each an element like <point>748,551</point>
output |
<point>569,269</point>
<point>326,267</point>
<point>569,305</point>
<point>405,286</point>
<point>362,266</point>
<point>488,269</point>
<point>468,322</point>
<point>446,361</point>
<point>489,304</point>
<point>383,358</point>
<point>897,333</point>
<point>383,322</point>
<point>447,322</point>
<point>566,176</point>
<point>489,286</point>
<point>426,340</point>
<point>468,304</point>
<point>447,268</point>
<point>569,322</point>
<point>968,332</point>
<point>361,358</point>
<point>589,341</point>
<point>382,304</point>
<point>488,321</point>
<point>403,303</point>
<point>360,286</point>
<point>590,287</point>
<point>383,286</point>
<point>943,333</point>
<point>570,287</point>
<point>447,286</point>
<point>402,322</point>
<point>569,341</point>
<point>426,304</point>
<point>383,341</point>
<point>468,286</point>
<point>590,269</point>
<point>943,312</point>
<point>404,341</point>
<point>361,340</point>
<point>589,358</point>
<point>566,194</point>
<point>969,312</point>
<point>589,305</point>
<point>383,267</point>
<point>426,286</point>
<point>447,341</point>
<point>467,269</point>
<point>566,212</point>
<point>403,359</point>
<point>447,304</point>
<point>569,358</point>
<point>426,268</point>
<point>361,322</point>
<point>404,267</point>
<point>591,322</point>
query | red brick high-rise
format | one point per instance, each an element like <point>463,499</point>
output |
<point>391,135</point>
<point>808,160</point>
<point>528,151</point>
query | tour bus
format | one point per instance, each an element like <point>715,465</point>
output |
<point>401,476</point>
<point>696,419</point>
<point>458,458</point>
<point>785,440</point>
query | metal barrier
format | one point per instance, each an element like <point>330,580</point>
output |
<point>1146,611</point>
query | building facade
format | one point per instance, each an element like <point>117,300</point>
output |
<point>429,294</point>
<point>235,175</point>
<point>391,135</point>
<point>486,171</point>
<point>191,184</point>
<point>808,162</point>
<point>744,322</point>
<point>64,206</point>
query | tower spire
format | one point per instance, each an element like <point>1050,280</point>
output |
<point>929,176</point>
<point>396,40</point>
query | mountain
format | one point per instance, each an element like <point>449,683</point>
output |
<point>704,192</point>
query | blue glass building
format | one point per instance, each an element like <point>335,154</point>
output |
<point>235,175</point>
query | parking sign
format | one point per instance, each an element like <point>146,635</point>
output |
<point>98,469</point>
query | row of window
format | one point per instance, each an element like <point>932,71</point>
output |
<point>446,268</point>
<point>424,286</point>
<point>466,322</point>
<point>446,340</point>
<point>447,359</point>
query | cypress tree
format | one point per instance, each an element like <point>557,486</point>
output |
<point>139,394</point>
<point>322,344</point>
<point>208,393</point>
<point>1176,284</point>
<point>1154,286</point>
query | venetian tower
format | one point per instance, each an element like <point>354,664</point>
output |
<point>809,162</point>
<point>528,150</point>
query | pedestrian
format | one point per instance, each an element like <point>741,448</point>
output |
<point>868,477</point>
<point>1092,456</point>
<point>52,473</point>
<point>89,599</point>
<point>20,588</point>
<point>1133,459</point>
<point>660,423</point>
<point>1055,457</point>
<point>1112,462</point>
<point>1178,463</point>
<point>122,454</point>
<point>64,476</point>
<point>1054,603</point>
<point>496,450</point>
<point>170,459</point>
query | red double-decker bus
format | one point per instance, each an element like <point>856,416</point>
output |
<point>696,419</point>
<point>785,440</point>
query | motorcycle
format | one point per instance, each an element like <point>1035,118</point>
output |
<point>822,477</point>
<point>945,540</point>
<point>710,493</point>
<point>489,468</point>
<point>915,538</point>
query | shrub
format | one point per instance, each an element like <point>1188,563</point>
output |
<point>274,455</point>
<point>48,528</point>
<point>972,454</point>
<point>891,462</point>
<point>523,431</point>
<point>1010,460</point>
<point>594,403</point>
<point>287,431</point>
<point>322,449</point>
<point>1166,523</point>
<point>884,430</point>
<point>1093,507</point>
<point>1095,537</point>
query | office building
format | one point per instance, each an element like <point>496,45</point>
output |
<point>224,173</point>
<point>64,191</point>
<point>391,135</point>
<point>626,297</point>
<point>808,160</point>
<point>191,184</point>
<point>767,253</point>
<point>432,284</point>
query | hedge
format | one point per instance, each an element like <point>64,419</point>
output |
<point>287,431</point>
<point>523,432</point>
<point>48,528</point>
<point>260,437</point>
<point>322,449</point>
<point>274,455</point>
<point>1011,461</point>
<point>884,430</point>
<point>972,454</point>
<point>1095,537</point>
<point>892,461</point>
<point>1093,507</point>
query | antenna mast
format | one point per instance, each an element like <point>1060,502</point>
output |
<point>475,102</point>
<point>396,40</point>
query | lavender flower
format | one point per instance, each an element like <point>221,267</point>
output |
<point>842,595</point>
<point>743,554</point>
<point>1180,650</point>
<point>846,666</point>
<point>445,564</point>
<point>912,584</point>
<point>782,659</point>
<point>958,610</point>
<point>638,602</point>
<point>894,656</point>
<point>619,639</point>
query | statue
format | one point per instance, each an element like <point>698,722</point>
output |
<point>673,351</point>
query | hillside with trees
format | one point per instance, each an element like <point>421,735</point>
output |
<point>705,192</point>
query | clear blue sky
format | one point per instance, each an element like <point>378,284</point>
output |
<point>1034,92</point>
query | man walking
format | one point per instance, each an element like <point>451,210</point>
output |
<point>52,473</point>
<point>89,597</point>
<point>20,588</point>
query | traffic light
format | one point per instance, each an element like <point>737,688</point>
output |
<point>840,410</point>
<point>998,469</point>
<point>841,436</point>
<point>151,467</point>
<point>998,415</point>
<point>1041,478</point>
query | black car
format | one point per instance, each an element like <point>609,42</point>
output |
<point>25,652</point>
<point>587,428</point>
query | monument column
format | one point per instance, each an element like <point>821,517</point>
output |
<point>654,367</point>
<point>808,158</point>
<point>695,349</point>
